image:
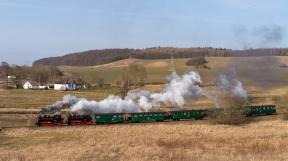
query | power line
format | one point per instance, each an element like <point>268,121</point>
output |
<point>172,67</point>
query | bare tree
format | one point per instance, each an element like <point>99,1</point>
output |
<point>131,75</point>
<point>135,73</point>
<point>100,82</point>
<point>124,88</point>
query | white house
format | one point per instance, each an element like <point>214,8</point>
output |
<point>11,77</point>
<point>61,87</point>
<point>74,86</point>
<point>44,87</point>
<point>30,85</point>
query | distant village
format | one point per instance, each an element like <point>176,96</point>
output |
<point>58,86</point>
<point>37,78</point>
<point>10,83</point>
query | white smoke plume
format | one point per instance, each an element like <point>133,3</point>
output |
<point>232,88</point>
<point>230,84</point>
<point>259,36</point>
<point>112,104</point>
<point>175,93</point>
<point>179,89</point>
<point>59,105</point>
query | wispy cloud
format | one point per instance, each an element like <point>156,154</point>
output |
<point>156,16</point>
<point>252,4</point>
<point>116,13</point>
<point>21,5</point>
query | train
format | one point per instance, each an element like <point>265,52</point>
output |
<point>139,117</point>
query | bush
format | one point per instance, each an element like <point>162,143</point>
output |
<point>281,103</point>
<point>230,116</point>
<point>197,62</point>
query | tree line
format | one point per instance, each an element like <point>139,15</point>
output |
<point>98,57</point>
<point>40,74</point>
<point>133,75</point>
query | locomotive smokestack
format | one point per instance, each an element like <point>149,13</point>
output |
<point>59,105</point>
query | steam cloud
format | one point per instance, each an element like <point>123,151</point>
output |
<point>59,105</point>
<point>270,34</point>
<point>179,89</point>
<point>230,84</point>
<point>259,37</point>
<point>232,89</point>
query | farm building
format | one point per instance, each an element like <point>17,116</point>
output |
<point>70,86</point>
<point>30,85</point>
<point>74,86</point>
<point>8,83</point>
<point>61,87</point>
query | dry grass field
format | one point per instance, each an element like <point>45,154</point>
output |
<point>251,70</point>
<point>181,141</point>
<point>20,107</point>
<point>262,77</point>
<point>262,139</point>
<point>36,99</point>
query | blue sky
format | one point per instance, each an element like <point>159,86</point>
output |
<point>33,29</point>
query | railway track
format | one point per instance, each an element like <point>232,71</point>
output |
<point>188,122</point>
<point>74,120</point>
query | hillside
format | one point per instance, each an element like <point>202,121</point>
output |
<point>260,71</point>
<point>98,57</point>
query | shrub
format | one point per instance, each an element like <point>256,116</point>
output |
<point>197,62</point>
<point>281,103</point>
<point>230,116</point>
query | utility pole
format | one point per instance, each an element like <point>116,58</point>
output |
<point>172,68</point>
<point>131,58</point>
<point>6,80</point>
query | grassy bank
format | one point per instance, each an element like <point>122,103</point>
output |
<point>264,140</point>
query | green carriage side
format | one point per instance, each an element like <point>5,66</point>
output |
<point>147,117</point>
<point>109,118</point>
<point>188,114</point>
<point>261,110</point>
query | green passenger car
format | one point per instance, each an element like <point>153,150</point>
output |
<point>261,110</point>
<point>110,118</point>
<point>188,114</point>
<point>147,117</point>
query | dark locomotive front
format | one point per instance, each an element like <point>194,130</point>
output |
<point>75,119</point>
<point>50,120</point>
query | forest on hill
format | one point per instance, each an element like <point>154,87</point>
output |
<point>98,57</point>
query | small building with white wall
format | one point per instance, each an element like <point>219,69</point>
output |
<point>61,87</point>
<point>69,86</point>
<point>30,85</point>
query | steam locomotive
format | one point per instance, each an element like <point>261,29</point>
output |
<point>58,120</point>
<point>113,118</point>
<point>141,117</point>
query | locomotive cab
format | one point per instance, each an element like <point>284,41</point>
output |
<point>75,119</point>
<point>49,120</point>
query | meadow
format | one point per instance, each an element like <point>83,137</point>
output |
<point>264,138</point>
<point>257,71</point>
<point>262,77</point>
<point>20,107</point>
<point>181,141</point>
